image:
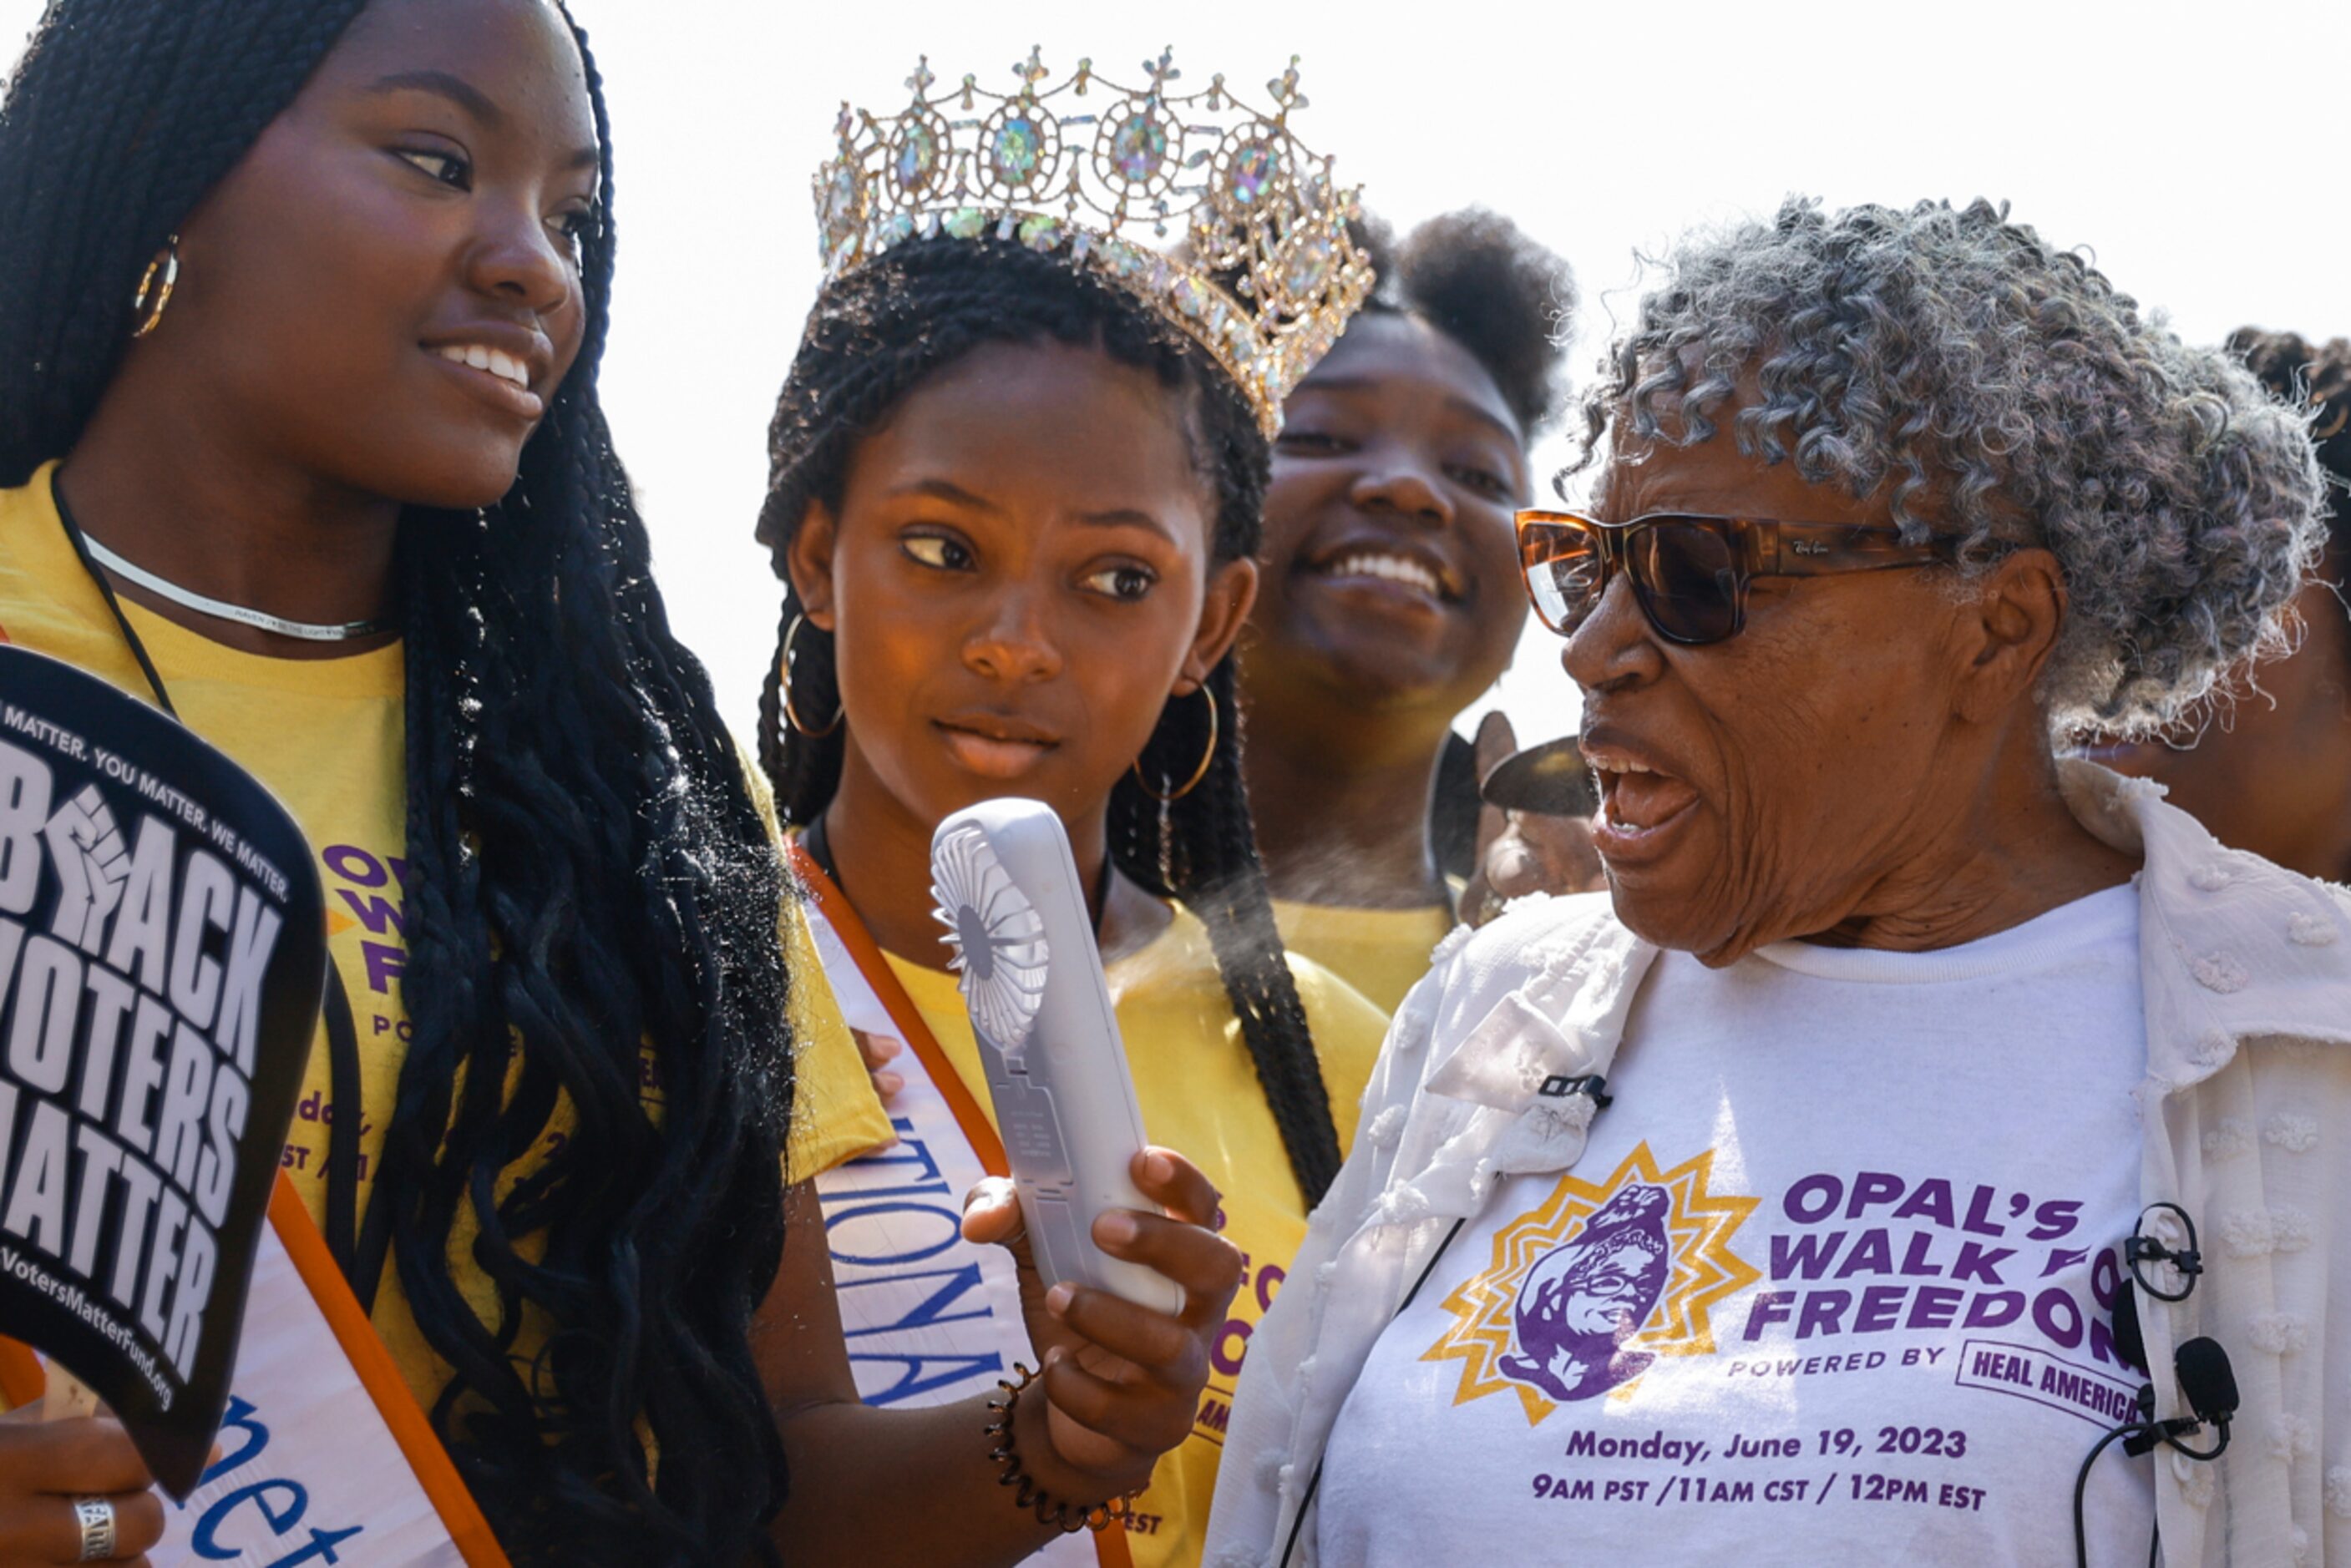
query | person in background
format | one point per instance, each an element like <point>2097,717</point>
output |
<point>1014,499</point>
<point>1390,598</point>
<point>357,397</point>
<point>1534,822</point>
<point>2270,771</point>
<point>1781,1201</point>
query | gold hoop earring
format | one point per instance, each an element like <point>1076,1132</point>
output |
<point>1199,773</point>
<point>161,276</point>
<point>783,683</point>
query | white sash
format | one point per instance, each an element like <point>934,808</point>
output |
<point>325,1455</point>
<point>929,1320</point>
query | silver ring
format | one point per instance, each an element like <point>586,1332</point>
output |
<point>96,1516</point>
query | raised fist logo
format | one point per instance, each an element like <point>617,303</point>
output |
<point>93,864</point>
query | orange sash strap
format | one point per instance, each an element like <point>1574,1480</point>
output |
<point>838,914</point>
<point>1110,1544</point>
<point>403,1417</point>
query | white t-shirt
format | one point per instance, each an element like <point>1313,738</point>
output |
<point>1867,1210</point>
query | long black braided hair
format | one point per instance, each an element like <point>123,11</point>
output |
<point>875,334</point>
<point>590,868</point>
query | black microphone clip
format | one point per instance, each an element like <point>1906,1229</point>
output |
<point>2188,1259</point>
<point>2146,1431</point>
<point>2144,1437</point>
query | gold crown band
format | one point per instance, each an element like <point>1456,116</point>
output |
<point>1268,274</point>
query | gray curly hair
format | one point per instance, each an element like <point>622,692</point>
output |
<point>2006,391</point>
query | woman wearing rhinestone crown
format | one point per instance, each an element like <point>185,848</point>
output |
<point>1017,473</point>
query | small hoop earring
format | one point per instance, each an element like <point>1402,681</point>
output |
<point>161,276</point>
<point>1199,773</point>
<point>784,681</point>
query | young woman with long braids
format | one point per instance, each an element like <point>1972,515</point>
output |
<point>333,482</point>
<point>1014,505</point>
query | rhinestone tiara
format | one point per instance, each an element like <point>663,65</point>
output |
<point>1262,272</point>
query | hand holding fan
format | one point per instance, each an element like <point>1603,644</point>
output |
<point>1049,1043</point>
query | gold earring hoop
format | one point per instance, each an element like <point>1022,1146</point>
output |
<point>1199,773</point>
<point>161,276</point>
<point>784,681</point>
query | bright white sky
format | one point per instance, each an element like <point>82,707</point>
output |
<point>2197,150</point>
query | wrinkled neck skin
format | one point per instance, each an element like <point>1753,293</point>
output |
<point>1341,828</point>
<point>1989,845</point>
<point>882,855</point>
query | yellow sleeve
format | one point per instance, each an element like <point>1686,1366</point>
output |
<point>836,1116</point>
<point>1348,1031</point>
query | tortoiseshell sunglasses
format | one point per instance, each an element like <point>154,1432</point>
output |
<point>1690,572</point>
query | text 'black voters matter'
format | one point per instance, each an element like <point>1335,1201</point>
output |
<point>162,948</point>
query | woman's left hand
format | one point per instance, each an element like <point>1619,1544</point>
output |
<point>1122,1382</point>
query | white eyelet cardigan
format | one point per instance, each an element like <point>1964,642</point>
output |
<point>2245,974</point>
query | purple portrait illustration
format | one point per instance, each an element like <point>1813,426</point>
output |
<point>1590,1294</point>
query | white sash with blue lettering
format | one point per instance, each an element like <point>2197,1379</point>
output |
<point>930,1319</point>
<point>310,1471</point>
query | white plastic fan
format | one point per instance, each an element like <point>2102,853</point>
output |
<point>998,938</point>
<point>1049,1041</point>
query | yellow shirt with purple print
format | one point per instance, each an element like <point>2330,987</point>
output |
<point>328,737</point>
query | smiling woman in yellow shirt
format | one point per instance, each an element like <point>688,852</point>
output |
<point>328,736</point>
<point>1392,599</point>
<point>304,303</point>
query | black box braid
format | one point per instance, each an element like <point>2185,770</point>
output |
<point>590,871</point>
<point>874,335</point>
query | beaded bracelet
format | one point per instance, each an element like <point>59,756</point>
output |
<point>1067,1517</point>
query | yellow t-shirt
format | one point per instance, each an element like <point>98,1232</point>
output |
<point>327,736</point>
<point>1198,1090</point>
<point>1382,953</point>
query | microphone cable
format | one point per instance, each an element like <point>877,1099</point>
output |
<point>2081,1493</point>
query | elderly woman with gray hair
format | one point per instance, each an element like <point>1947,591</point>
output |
<point>1928,1149</point>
